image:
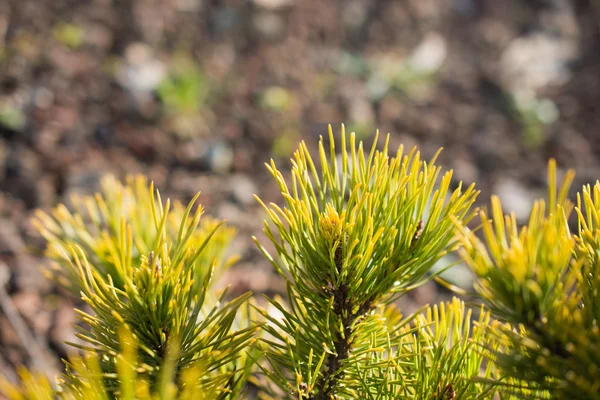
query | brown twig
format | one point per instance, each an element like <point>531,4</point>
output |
<point>31,345</point>
<point>327,383</point>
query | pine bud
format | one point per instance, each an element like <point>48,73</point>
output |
<point>332,224</point>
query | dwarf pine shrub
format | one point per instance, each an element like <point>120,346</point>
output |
<point>145,270</point>
<point>355,231</point>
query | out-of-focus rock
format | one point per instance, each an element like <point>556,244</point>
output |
<point>430,54</point>
<point>4,274</point>
<point>43,98</point>
<point>189,5</point>
<point>219,157</point>
<point>273,4</point>
<point>242,189</point>
<point>142,71</point>
<point>361,112</point>
<point>201,154</point>
<point>355,13</point>
<point>537,60</point>
<point>543,57</point>
<point>465,170</point>
<point>515,197</point>
<point>458,274</point>
<point>268,25</point>
<point>467,8</point>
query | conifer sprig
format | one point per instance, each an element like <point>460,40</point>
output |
<point>94,223</point>
<point>160,302</point>
<point>147,267</point>
<point>91,382</point>
<point>351,238</point>
<point>587,249</point>
<point>434,357</point>
<point>543,280</point>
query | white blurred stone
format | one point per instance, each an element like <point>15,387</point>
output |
<point>189,5</point>
<point>547,111</point>
<point>220,157</point>
<point>361,111</point>
<point>465,170</point>
<point>355,13</point>
<point>142,71</point>
<point>4,273</point>
<point>515,197</point>
<point>269,25</point>
<point>44,98</point>
<point>430,54</point>
<point>537,60</point>
<point>273,4</point>
<point>275,313</point>
<point>458,274</point>
<point>243,190</point>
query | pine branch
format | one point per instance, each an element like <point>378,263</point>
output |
<point>93,223</point>
<point>147,267</point>
<point>351,238</point>
<point>543,280</point>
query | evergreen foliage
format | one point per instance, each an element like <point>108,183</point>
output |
<point>543,281</point>
<point>144,269</point>
<point>352,239</point>
<point>95,225</point>
<point>357,231</point>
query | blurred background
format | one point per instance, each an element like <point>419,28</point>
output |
<point>198,94</point>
